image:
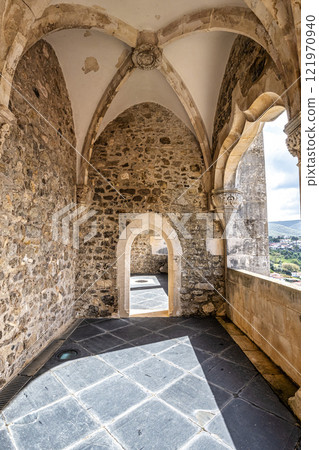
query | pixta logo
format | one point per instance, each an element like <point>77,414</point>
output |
<point>70,218</point>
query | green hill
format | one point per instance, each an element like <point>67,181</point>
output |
<point>284,228</point>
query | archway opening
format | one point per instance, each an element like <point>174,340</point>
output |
<point>161,228</point>
<point>283,204</point>
<point>149,275</point>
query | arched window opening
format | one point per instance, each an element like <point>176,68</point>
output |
<point>283,204</point>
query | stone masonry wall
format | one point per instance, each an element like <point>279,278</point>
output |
<point>251,250</point>
<point>151,157</point>
<point>37,178</point>
<point>250,66</point>
<point>262,306</point>
<point>144,259</point>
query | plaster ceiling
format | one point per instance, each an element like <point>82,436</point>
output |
<point>72,47</point>
<point>145,86</point>
<point>200,60</point>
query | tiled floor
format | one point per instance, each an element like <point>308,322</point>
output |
<point>149,383</point>
<point>148,294</point>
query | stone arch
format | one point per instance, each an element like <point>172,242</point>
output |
<point>234,200</point>
<point>183,94</point>
<point>245,126</point>
<point>67,16</point>
<point>264,109</point>
<point>231,19</point>
<point>160,225</point>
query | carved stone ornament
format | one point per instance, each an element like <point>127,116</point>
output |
<point>226,199</point>
<point>293,141</point>
<point>84,194</point>
<point>7,119</point>
<point>147,56</point>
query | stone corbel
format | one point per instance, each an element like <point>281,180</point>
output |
<point>226,202</point>
<point>7,119</point>
<point>84,194</point>
<point>293,141</point>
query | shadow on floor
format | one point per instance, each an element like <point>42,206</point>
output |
<point>160,383</point>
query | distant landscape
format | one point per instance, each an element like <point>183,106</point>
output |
<point>285,250</point>
<point>284,228</point>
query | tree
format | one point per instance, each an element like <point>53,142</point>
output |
<point>290,267</point>
<point>295,261</point>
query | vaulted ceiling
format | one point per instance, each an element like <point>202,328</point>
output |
<point>91,58</point>
<point>187,45</point>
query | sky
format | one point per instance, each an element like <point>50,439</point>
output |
<point>282,173</point>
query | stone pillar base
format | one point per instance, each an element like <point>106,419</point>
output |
<point>295,403</point>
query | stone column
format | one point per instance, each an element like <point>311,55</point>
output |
<point>226,202</point>
<point>7,119</point>
<point>293,141</point>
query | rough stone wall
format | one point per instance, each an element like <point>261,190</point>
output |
<point>248,62</point>
<point>251,250</point>
<point>37,178</point>
<point>144,259</point>
<point>151,157</point>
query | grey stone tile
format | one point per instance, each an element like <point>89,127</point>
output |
<point>200,323</point>
<point>2,422</point>
<point>81,373</point>
<point>245,426</point>
<point>5,440</point>
<point>206,366</point>
<point>260,393</point>
<point>99,344</point>
<point>209,343</point>
<point>111,324</point>
<point>153,425</point>
<point>112,397</point>
<point>175,320</point>
<point>95,319</point>
<point>154,324</point>
<point>151,281</point>
<point>204,441</point>
<point>218,330</point>
<point>36,394</point>
<point>219,427</point>
<point>131,332</point>
<point>124,356</point>
<point>236,355</point>
<point>54,427</point>
<point>54,361</point>
<point>85,332</point>
<point>178,331</point>
<point>136,320</point>
<point>100,440</point>
<point>153,373</point>
<point>196,398</point>
<point>154,343</point>
<point>185,356</point>
<point>230,376</point>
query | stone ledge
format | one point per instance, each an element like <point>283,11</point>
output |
<point>280,383</point>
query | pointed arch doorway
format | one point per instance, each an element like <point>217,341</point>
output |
<point>161,226</point>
